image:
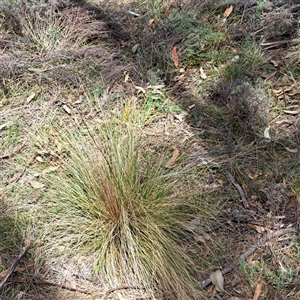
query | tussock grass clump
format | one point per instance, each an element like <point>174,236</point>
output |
<point>111,203</point>
<point>48,27</point>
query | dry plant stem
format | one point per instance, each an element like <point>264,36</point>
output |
<point>250,251</point>
<point>14,265</point>
<point>239,189</point>
<point>125,287</point>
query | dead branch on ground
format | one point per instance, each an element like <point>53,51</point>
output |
<point>14,265</point>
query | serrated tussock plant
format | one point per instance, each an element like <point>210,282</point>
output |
<point>112,201</point>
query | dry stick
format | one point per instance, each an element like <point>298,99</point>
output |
<point>282,42</point>
<point>239,189</point>
<point>14,265</point>
<point>250,251</point>
<point>125,287</point>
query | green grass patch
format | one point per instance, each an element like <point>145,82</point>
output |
<point>244,63</point>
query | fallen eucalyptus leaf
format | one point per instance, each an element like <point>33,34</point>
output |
<point>175,57</point>
<point>134,48</point>
<point>36,184</point>
<point>258,290</point>
<point>228,11</point>
<point>202,74</point>
<point>66,109</point>
<point>291,112</point>
<point>140,89</point>
<point>29,98</point>
<point>267,133</point>
<point>258,228</point>
<point>217,280</point>
<point>275,63</point>
<point>171,161</point>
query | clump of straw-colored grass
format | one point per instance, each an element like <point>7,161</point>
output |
<point>113,202</point>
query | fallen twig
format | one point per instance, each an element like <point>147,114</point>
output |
<point>250,251</point>
<point>239,189</point>
<point>278,43</point>
<point>125,287</point>
<point>14,265</point>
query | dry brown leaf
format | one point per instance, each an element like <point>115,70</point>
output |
<point>153,23</point>
<point>172,159</point>
<point>175,57</point>
<point>126,75</point>
<point>134,48</point>
<point>217,280</point>
<point>36,184</point>
<point>291,112</point>
<point>294,93</point>
<point>3,273</point>
<point>17,269</point>
<point>155,88</point>
<point>177,78</point>
<point>123,43</point>
<point>267,133</point>
<point>202,74</point>
<point>78,101</point>
<point>292,200</point>
<point>211,288</point>
<point>258,290</point>
<point>66,109</point>
<point>140,89</point>
<point>201,239</point>
<point>39,159</point>
<point>275,63</point>
<point>30,97</point>
<point>253,175</point>
<point>228,11</point>
<point>259,229</point>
